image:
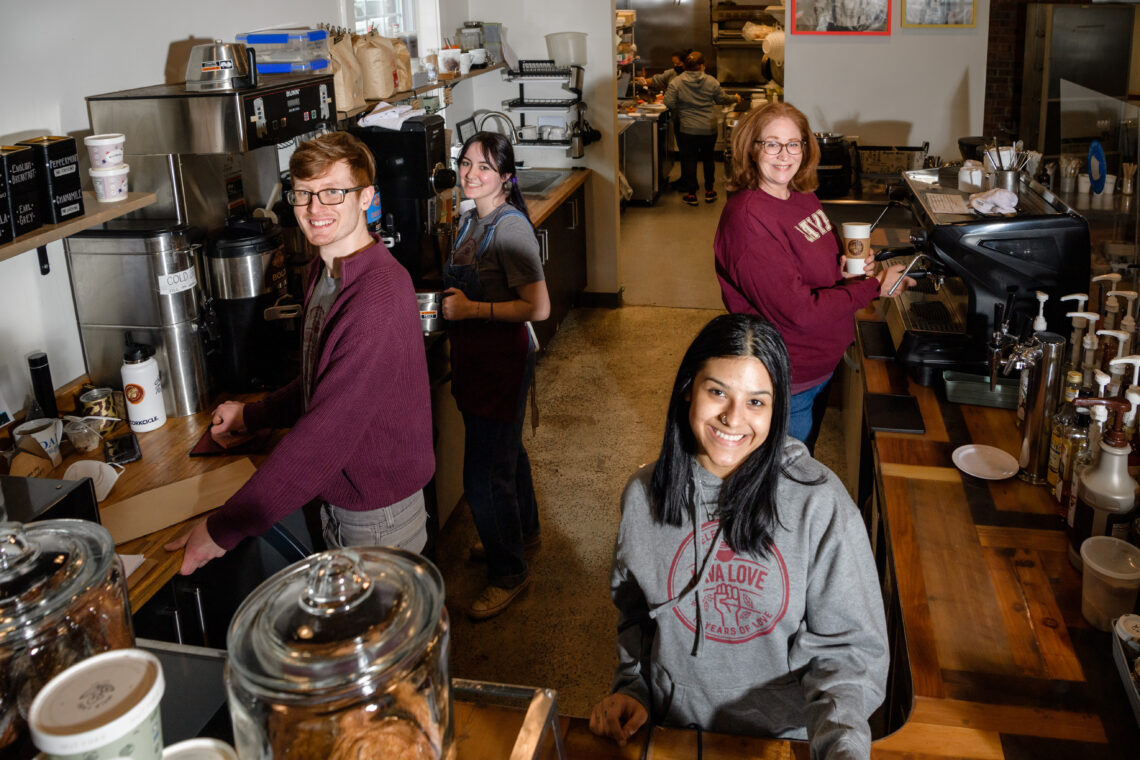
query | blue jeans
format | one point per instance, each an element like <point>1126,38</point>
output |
<point>806,413</point>
<point>499,489</point>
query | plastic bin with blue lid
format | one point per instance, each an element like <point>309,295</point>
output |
<point>301,67</point>
<point>287,46</point>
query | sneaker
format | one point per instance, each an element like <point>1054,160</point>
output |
<point>690,199</point>
<point>479,554</point>
<point>494,600</point>
<point>710,196</point>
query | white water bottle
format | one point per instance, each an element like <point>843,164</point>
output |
<point>142,388</point>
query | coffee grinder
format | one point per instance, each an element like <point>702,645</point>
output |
<point>415,184</point>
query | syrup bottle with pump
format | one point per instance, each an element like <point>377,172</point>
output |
<point>1105,503</point>
<point>142,388</point>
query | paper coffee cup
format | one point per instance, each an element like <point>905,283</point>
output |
<point>103,708</point>
<point>41,437</point>
<point>200,749</point>
<point>856,245</point>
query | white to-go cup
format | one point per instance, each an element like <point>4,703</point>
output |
<point>103,708</point>
<point>105,150</point>
<point>110,183</point>
<point>1109,184</point>
<point>1083,183</point>
<point>1111,580</point>
<point>856,245</point>
<point>200,749</point>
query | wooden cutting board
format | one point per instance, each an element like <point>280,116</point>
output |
<point>173,503</point>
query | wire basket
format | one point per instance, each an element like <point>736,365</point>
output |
<point>887,162</point>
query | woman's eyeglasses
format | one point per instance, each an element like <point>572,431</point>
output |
<point>330,196</point>
<point>773,148</point>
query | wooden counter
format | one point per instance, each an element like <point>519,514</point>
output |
<point>1003,664</point>
<point>540,206</point>
<point>165,459</point>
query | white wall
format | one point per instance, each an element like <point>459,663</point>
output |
<point>912,86</point>
<point>525,26</point>
<point>53,55</point>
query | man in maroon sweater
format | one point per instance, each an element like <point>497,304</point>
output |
<point>360,411</point>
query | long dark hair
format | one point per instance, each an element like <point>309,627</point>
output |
<point>748,497</point>
<point>501,156</point>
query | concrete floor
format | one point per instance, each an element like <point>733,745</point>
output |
<point>603,388</point>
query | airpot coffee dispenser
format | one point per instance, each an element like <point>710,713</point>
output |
<point>255,316</point>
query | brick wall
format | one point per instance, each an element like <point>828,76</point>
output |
<point>1004,69</point>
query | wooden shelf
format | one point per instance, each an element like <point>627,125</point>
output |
<point>441,83</point>
<point>94,213</point>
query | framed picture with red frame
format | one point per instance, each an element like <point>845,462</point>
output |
<point>841,17</point>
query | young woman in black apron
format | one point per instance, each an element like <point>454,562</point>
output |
<point>495,285</point>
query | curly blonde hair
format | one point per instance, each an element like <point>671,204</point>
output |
<point>745,173</point>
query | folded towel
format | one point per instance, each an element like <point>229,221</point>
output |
<point>996,201</point>
<point>388,116</point>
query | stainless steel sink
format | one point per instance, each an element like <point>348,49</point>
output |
<point>539,181</point>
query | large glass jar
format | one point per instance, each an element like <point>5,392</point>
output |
<point>343,655</point>
<point>62,599</point>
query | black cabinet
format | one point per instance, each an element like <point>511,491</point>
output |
<point>562,241</point>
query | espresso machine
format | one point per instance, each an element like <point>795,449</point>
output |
<point>207,148</point>
<point>414,182</point>
<point>976,271</point>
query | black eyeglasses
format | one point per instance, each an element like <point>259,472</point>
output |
<point>330,196</point>
<point>773,148</point>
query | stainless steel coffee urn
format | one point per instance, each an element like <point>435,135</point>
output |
<point>143,277</point>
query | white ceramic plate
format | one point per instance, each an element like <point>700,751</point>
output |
<point>984,462</point>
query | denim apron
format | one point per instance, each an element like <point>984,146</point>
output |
<point>488,359</point>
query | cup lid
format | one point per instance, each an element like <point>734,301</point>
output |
<point>337,622</point>
<point>96,701</point>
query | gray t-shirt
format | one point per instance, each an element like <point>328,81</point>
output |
<point>325,292</point>
<point>512,260</point>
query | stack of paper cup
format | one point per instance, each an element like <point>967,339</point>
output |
<point>108,172</point>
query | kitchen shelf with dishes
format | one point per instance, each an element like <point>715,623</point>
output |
<point>531,72</point>
<point>95,213</point>
<point>442,83</point>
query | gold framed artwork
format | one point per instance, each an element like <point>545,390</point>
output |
<point>944,13</point>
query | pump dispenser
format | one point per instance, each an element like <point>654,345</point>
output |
<point>1127,321</point>
<point>1079,325</point>
<point>1106,493</point>
<point>1088,345</point>
<point>1101,379</point>
<point>1107,282</point>
<point>1132,395</point>
<point>1039,323</point>
<point>1110,352</point>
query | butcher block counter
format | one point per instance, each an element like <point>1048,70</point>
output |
<point>1000,660</point>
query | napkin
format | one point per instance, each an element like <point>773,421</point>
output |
<point>996,201</point>
<point>389,117</point>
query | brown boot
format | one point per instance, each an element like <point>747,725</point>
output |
<point>494,600</point>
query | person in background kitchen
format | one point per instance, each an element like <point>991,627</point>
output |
<point>495,285</point>
<point>692,97</point>
<point>778,256</point>
<point>748,600</point>
<point>360,411</point>
<point>660,82</point>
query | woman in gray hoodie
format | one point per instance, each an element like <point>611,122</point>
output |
<point>693,97</point>
<point>746,590</point>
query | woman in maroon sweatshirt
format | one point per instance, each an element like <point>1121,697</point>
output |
<point>778,256</point>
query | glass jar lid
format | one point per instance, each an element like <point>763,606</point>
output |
<point>44,566</point>
<point>335,622</point>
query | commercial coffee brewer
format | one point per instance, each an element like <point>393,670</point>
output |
<point>415,183</point>
<point>975,272</point>
<point>210,155</point>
